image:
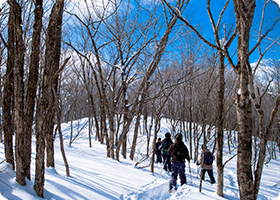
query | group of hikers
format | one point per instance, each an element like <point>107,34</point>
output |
<point>173,156</point>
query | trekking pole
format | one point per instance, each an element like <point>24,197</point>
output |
<point>162,168</point>
<point>190,172</point>
<point>197,170</point>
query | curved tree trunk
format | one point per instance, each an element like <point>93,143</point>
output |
<point>136,127</point>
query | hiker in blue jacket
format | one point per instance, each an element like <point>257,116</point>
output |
<point>165,155</point>
<point>207,164</point>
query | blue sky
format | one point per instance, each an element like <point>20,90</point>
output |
<point>198,14</point>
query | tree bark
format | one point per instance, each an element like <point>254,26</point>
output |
<point>53,43</point>
<point>32,84</point>
<point>46,104</point>
<point>19,92</point>
<point>61,142</point>
<point>244,13</point>
<point>89,130</point>
<point>263,136</point>
<point>137,123</point>
<point>8,93</point>
<point>156,130</point>
<point>220,123</point>
<point>1,95</point>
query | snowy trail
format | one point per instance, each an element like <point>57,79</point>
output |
<point>158,189</point>
<point>93,176</point>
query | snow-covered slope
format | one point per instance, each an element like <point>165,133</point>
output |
<point>94,176</point>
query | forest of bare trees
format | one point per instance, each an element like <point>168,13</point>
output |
<point>119,62</point>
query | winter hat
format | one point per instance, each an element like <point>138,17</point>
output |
<point>179,137</point>
<point>167,135</point>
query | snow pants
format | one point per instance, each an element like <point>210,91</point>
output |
<point>166,161</point>
<point>177,168</point>
<point>158,157</point>
<point>210,173</point>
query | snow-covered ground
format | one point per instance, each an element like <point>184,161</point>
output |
<point>94,176</point>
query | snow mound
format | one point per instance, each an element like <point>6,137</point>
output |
<point>11,188</point>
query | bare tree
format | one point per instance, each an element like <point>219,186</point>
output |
<point>157,55</point>
<point>19,51</point>
<point>3,47</point>
<point>46,104</point>
<point>32,84</point>
<point>8,93</point>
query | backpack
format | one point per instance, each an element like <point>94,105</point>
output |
<point>208,158</point>
<point>165,147</point>
<point>179,153</point>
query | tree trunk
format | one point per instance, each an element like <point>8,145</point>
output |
<point>1,96</point>
<point>32,84</point>
<point>111,119</point>
<point>46,104</point>
<point>156,130</point>
<point>244,156</point>
<point>202,157</point>
<point>228,141</point>
<point>220,122</point>
<point>125,111</point>
<point>264,134</point>
<point>89,130</point>
<point>71,131</point>
<point>135,135</point>
<point>244,12</point>
<point>191,120</point>
<point>19,92</point>
<point>61,143</point>
<point>8,93</point>
<point>53,44</point>
<point>136,127</point>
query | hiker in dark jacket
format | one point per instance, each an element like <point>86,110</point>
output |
<point>165,155</point>
<point>207,167</point>
<point>158,152</point>
<point>179,153</point>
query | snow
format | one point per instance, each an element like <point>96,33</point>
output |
<point>95,176</point>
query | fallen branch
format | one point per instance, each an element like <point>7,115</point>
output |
<point>142,160</point>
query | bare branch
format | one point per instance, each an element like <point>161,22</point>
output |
<point>221,14</point>
<point>60,69</point>
<point>178,13</point>
<point>264,35</point>
<point>261,55</point>
<point>4,42</point>
<point>229,160</point>
<point>273,114</point>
